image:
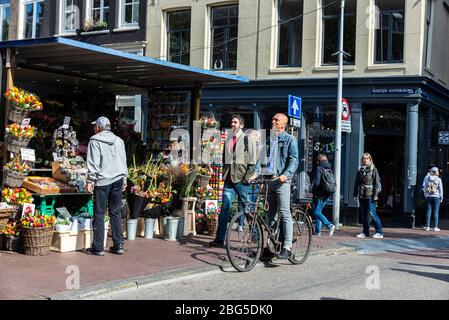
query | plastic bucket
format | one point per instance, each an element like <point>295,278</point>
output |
<point>149,228</point>
<point>131,225</point>
<point>172,228</point>
<point>180,233</point>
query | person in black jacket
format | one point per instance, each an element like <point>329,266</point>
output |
<point>366,191</point>
<point>320,196</point>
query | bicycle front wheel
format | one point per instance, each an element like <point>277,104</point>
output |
<point>302,237</point>
<point>244,242</point>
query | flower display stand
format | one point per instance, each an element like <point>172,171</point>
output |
<point>188,213</point>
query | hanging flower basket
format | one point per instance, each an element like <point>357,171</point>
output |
<point>37,241</point>
<point>203,180</point>
<point>15,144</point>
<point>13,179</point>
<point>17,114</point>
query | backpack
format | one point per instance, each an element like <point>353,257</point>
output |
<point>328,182</point>
<point>432,187</point>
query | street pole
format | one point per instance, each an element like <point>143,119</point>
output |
<point>337,163</point>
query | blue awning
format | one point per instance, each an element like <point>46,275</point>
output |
<point>70,58</point>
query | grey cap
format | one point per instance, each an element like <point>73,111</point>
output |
<point>103,123</point>
<point>434,169</point>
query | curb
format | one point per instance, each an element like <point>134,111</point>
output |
<point>163,278</point>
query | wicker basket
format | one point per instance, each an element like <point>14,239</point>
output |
<point>13,179</point>
<point>37,241</point>
<point>5,215</point>
<point>14,144</point>
<point>12,243</point>
<point>211,227</point>
<point>17,114</point>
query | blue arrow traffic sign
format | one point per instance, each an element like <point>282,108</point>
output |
<point>294,107</point>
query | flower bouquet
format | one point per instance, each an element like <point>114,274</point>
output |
<point>17,196</point>
<point>19,137</point>
<point>15,171</point>
<point>22,103</point>
<point>37,231</point>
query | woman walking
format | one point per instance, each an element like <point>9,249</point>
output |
<point>366,191</point>
<point>433,192</point>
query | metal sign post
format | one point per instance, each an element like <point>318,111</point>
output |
<point>336,206</point>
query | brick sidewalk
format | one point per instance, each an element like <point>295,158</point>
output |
<point>38,277</point>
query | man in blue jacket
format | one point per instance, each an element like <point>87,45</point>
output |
<point>282,164</point>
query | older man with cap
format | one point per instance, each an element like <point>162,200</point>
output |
<point>106,178</point>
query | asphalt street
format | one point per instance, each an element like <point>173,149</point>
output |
<point>386,275</point>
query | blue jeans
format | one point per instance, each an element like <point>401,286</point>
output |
<point>318,205</point>
<point>229,192</point>
<point>432,202</point>
<point>279,199</point>
<point>368,208</point>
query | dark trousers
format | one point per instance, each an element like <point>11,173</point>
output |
<point>104,196</point>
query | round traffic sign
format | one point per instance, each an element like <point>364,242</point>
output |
<point>345,111</point>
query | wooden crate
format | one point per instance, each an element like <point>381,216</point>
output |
<point>73,241</point>
<point>53,186</point>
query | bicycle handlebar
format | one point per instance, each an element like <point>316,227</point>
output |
<point>263,180</point>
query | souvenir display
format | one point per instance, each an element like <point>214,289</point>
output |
<point>65,143</point>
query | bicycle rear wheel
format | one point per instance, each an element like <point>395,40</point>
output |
<point>302,237</point>
<point>244,245</point>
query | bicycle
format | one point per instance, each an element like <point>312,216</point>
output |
<point>244,245</point>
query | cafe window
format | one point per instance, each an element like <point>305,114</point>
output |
<point>389,34</point>
<point>129,13</point>
<point>4,18</point>
<point>33,18</point>
<point>178,36</point>
<point>331,31</point>
<point>98,15</point>
<point>224,33</point>
<point>290,33</point>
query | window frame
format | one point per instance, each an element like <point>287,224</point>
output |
<point>323,30</point>
<point>2,13</point>
<point>177,31</point>
<point>90,8</point>
<point>278,39</point>
<point>389,13</point>
<point>62,17</point>
<point>34,21</point>
<point>122,14</point>
<point>226,37</point>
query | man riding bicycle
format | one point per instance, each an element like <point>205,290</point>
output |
<point>282,165</point>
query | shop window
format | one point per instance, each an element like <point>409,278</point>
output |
<point>389,36</point>
<point>69,16</point>
<point>97,15</point>
<point>178,36</point>
<point>331,31</point>
<point>4,18</point>
<point>290,33</point>
<point>129,13</point>
<point>224,32</point>
<point>33,18</point>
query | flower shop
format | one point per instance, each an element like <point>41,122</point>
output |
<point>55,88</point>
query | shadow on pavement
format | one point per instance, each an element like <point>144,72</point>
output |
<point>437,276</point>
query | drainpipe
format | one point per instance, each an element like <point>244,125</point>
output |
<point>256,61</point>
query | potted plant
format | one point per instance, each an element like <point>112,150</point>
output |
<point>90,25</point>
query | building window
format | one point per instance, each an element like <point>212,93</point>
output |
<point>69,16</point>
<point>390,31</point>
<point>429,25</point>
<point>34,16</point>
<point>290,33</point>
<point>178,36</point>
<point>129,12</point>
<point>224,32</point>
<point>4,18</point>
<point>331,31</point>
<point>98,15</point>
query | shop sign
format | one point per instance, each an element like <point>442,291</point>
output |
<point>393,91</point>
<point>28,154</point>
<point>443,138</point>
<point>25,122</point>
<point>345,116</point>
<point>295,122</point>
<point>211,206</point>
<point>294,107</point>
